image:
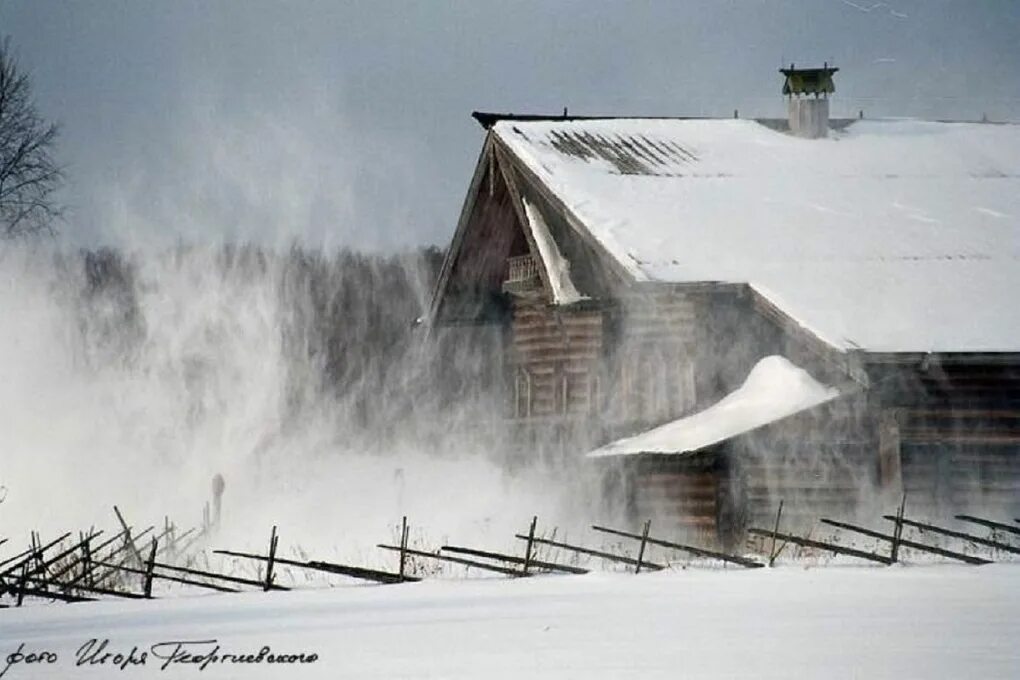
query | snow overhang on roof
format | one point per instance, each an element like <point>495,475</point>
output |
<point>889,236</point>
<point>556,266</point>
<point>774,389</point>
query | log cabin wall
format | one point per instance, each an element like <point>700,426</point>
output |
<point>952,434</point>
<point>650,364</point>
<point>683,495</point>
<point>556,362</point>
<point>820,463</point>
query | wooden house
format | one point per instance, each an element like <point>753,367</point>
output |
<point>616,276</point>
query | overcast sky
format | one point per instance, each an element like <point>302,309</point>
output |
<point>348,123</point>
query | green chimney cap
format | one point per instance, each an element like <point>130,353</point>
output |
<point>816,81</point>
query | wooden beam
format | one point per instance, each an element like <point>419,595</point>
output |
<point>956,534</point>
<point>127,538</point>
<point>164,577</point>
<point>594,553</point>
<point>969,559</point>
<point>698,552</point>
<point>273,540</point>
<point>828,547</point>
<point>221,577</point>
<point>990,524</point>
<point>31,553</point>
<point>384,577</point>
<point>446,558</point>
<point>316,565</point>
<point>514,559</point>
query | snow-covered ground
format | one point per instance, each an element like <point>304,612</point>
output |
<point>787,622</point>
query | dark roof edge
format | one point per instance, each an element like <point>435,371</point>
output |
<point>992,358</point>
<point>487,119</point>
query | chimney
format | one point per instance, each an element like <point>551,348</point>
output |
<point>807,91</point>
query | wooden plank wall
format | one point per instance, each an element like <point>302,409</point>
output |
<point>954,461</point>
<point>820,463</point>
<point>832,480</point>
<point>493,236</point>
<point>653,368</point>
<point>684,501</point>
<point>957,434</point>
<point>680,494</point>
<point>557,358</point>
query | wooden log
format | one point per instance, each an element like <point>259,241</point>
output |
<point>446,558</point>
<point>93,554</point>
<point>22,583</point>
<point>907,544</point>
<point>316,565</point>
<point>127,536</point>
<point>829,547</point>
<point>273,539</point>
<point>957,534</point>
<point>990,524</point>
<point>28,555</point>
<point>403,546</point>
<point>221,577</point>
<point>117,551</point>
<point>514,559</point>
<point>773,553</point>
<point>86,560</point>
<point>898,531</point>
<point>98,590</point>
<point>28,590</point>
<point>698,552</point>
<point>644,542</point>
<point>162,577</point>
<point>43,565</point>
<point>362,573</point>
<point>12,558</point>
<point>594,553</point>
<point>147,584</point>
<point>531,544</point>
<point>87,552</point>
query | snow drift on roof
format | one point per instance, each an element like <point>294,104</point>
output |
<point>556,266</point>
<point>889,236</point>
<point>774,389</point>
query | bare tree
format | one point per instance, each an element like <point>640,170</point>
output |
<point>28,174</point>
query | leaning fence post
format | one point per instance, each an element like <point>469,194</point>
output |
<point>898,529</point>
<point>403,546</point>
<point>644,542</point>
<point>273,539</point>
<point>40,562</point>
<point>86,562</point>
<point>22,582</point>
<point>149,565</point>
<point>531,543</point>
<point>128,541</point>
<point>775,530</point>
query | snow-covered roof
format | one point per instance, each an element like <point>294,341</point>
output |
<point>774,389</point>
<point>890,235</point>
